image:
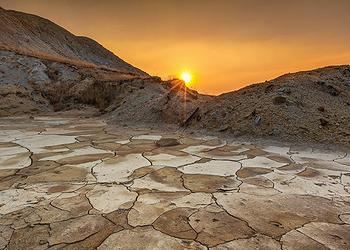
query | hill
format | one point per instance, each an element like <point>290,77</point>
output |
<point>33,35</point>
<point>304,106</point>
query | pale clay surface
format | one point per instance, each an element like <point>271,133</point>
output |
<point>69,183</point>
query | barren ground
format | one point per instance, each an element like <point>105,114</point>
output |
<point>74,183</point>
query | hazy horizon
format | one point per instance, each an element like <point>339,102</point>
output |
<point>225,44</point>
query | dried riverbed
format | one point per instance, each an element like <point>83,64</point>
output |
<point>71,183</point>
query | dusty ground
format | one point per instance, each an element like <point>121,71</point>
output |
<point>72,183</point>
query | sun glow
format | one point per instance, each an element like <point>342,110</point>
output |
<point>187,78</point>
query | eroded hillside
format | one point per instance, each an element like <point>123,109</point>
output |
<point>36,36</point>
<point>311,105</point>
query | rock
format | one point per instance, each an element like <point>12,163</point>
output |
<point>224,128</point>
<point>324,122</point>
<point>269,88</point>
<point>167,142</point>
<point>345,218</point>
<point>284,90</point>
<point>321,109</point>
<point>257,120</point>
<point>279,100</point>
<point>43,242</point>
<point>332,90</point>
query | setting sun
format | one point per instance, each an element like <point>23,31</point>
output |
<point>186,77</point>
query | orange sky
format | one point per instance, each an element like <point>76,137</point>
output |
<point>226,44</point>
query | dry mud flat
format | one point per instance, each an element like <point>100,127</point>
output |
<point>69,183</point>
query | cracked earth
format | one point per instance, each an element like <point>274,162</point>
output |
<point>69,183</point>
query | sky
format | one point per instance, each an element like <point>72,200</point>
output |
<point>225,44</point>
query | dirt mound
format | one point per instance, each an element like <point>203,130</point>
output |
<point>33,35</point>
<point>128,101</point>
<point>304,106</point>
<point>32,85</point>
<point>26,82</point>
